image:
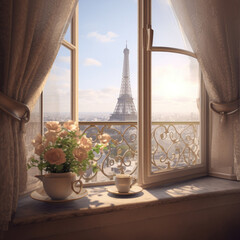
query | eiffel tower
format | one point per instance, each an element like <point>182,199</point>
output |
<point>125,109</point>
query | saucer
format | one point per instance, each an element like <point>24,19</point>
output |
<point>133,190</point>
<point>41,195</point>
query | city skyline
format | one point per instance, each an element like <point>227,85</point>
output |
<point>104,117</point>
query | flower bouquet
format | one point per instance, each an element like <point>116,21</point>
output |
<point>63,152</point>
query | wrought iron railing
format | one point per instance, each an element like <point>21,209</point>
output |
<point>121,155</point>
<point>174,145</point>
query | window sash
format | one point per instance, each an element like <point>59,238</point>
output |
<point>74,86</point>
<point>73,47</point>
<point>145,176</point>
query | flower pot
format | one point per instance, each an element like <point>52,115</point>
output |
<point>59,186</point>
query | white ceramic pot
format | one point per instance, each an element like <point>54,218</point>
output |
<point>59,186</point>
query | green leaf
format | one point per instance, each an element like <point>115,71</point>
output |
<point>94,168</point>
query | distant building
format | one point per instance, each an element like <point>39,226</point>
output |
<point>125,109</point>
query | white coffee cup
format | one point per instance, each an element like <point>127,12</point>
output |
<point>124,182</point>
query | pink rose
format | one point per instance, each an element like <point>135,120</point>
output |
<point>53,126</point>
<point>80,153</point>
<point>78,133</point>
<point>55,156</point>
<point>63,133</point>
<point>86,143</point>
<point>39,149</point>
<point>71,125</point>
<point>51,136</point>
<point>37,141</point>
<point>102,147</point>
<point>104,138</point>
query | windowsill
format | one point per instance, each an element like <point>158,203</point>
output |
<point>99,201</point>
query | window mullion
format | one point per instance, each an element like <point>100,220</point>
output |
<point>204,116</point>
<point>74,87</point>
<point>41,113</point>
<point>144,106</point>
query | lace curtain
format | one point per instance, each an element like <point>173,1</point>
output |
<point>212,28</point>
<point>30,35</point>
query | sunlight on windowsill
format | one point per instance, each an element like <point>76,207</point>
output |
<point>184,191</point>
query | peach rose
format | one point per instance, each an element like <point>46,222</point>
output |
<point>63,133</point>
<point>51,136</point>
<point>55,156</point>
<point>39,149</point>
<point>78,133</point>
<point>71,125</point>
<point>86,143</point>
<point>37,141</point>
<point>80,153</point>
<point>53,126</point>
<point>104,138</point>
<point>102,147</point>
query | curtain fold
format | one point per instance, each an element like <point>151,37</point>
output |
<point>212,28</point>
<point>30,36</point>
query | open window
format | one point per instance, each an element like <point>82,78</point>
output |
<point>166,142</point>
<point>171,100</point>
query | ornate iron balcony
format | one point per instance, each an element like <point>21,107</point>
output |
<point>174,145</point>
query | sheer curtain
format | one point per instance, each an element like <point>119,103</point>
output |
<point>212,28</point>
<point>30,37</point>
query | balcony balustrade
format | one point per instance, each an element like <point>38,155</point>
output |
<point>174,145</point>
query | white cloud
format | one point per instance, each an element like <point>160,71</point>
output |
<point>108,37</point>
<point>102,100</point>
<point>64,59</point>
<point>91,62</point>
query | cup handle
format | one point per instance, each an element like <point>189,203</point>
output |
<point>134,180</point>
<point>75,188</point>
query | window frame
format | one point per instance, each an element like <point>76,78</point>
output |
<point>145,177</point>
<point>145,48</point>
<point>73,47</point>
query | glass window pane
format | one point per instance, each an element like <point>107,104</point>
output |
<point>57,91</point>
<point>108,82</point>
<point>104,28</point>
<point>167,30</point>
<point>175,111</point>
<point>68,35</point>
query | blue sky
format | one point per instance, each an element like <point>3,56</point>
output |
<point>104,28</point>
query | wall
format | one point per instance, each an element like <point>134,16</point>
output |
<point>212,217</point>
